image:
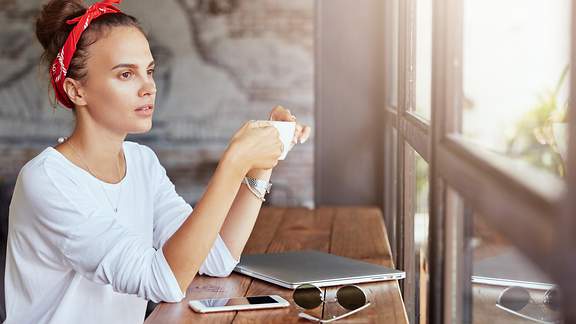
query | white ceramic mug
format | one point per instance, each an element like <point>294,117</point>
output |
<point>286,130</point>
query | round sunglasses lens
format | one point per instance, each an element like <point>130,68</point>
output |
<point>307,296</point>
<point>351,297</point>
<point>514,298</point>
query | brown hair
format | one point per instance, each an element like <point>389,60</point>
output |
<point>52,31</point>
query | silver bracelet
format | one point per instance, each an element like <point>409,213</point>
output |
<point>258,187</point>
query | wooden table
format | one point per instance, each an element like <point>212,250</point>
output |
<point>358,233</point>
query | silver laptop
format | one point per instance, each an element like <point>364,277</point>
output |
<point>291,269</point>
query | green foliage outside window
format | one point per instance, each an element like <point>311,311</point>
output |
<point>533,139</point>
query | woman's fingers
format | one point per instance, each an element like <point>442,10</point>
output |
<point>280,113</point>
<point>297,133</point>
<point>301,133</point>
<point>305,134</point>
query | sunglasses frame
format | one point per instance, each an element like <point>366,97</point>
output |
<point>530,299</point>
<point>324,301</point>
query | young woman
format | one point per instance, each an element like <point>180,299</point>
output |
<point>96,227</point>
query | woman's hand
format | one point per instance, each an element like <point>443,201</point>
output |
<point>256,145</point>
<point>302,132</point>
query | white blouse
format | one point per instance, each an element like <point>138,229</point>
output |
<point>71,259</point>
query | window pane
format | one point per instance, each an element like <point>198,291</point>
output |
<point>391,186</point>
<point>421,237</point>
<point>516,54</point>
<point>504,281</point>
<point>423,57</point>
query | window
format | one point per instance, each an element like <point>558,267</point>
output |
<point>407,149</point>
<point>515,78</point>
<point>423,53</point>
<point>481,113</point>
<point>421,237</point>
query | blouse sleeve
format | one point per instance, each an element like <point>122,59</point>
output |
<point>91,241</point>
<point>170,211</point>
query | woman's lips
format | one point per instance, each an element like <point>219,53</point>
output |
<point>145,110</point>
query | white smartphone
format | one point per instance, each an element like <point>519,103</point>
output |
<point>237,303</point>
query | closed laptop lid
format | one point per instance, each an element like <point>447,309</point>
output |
<point>289,269</point>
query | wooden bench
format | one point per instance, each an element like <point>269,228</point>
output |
<point>357,233</point>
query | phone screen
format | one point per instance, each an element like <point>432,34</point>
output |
<point>238,301</point>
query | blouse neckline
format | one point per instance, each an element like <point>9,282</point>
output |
<point>104,183</point>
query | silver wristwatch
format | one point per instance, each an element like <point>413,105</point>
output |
<point>258,187</point>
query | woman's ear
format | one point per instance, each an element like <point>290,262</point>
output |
<point>74,90</point>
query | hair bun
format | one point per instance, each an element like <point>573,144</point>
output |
<point>51,27</point>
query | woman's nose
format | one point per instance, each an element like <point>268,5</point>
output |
<point>148,88</point>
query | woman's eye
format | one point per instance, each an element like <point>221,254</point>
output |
<point>126,75</point>
<point>151,71</point>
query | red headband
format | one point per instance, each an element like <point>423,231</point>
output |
<point>60,65</point>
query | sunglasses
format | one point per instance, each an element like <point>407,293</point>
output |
<point>518,301</point>
<point>308,296</point>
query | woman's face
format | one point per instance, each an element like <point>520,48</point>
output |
<point>120,81</point>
